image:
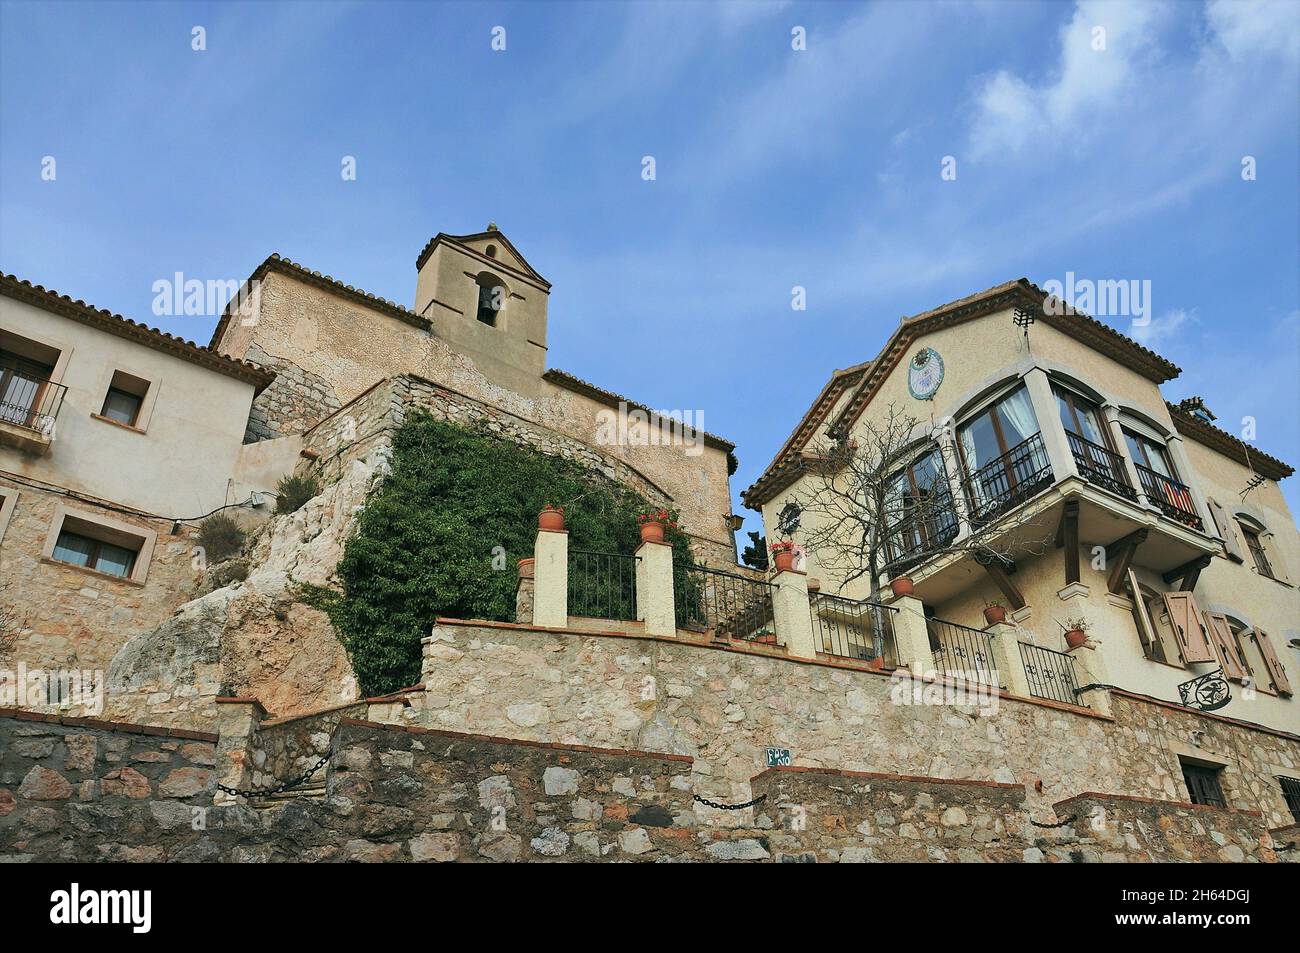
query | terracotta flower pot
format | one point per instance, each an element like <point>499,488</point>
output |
<point>784,561</point>
<point>551,518</point>
<point>527,568</point>
<point>995,614</point>
<point>652,532</point>
<point>1075,638</point>
<point>902,586</point>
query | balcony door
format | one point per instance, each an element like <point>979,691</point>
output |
<point>1002,453</point>
<point>22,385</point>
<point>920,511</point>
<point>1090,443</point>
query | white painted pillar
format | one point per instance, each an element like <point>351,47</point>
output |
<point>1006,656</point>
<point>1090,669</point>
<point>947,441</point>
<point>791,613</point>
<point>654,588</point>
<point>551,578</point>
<point>1049,423</point>
<point>1111,413</point>
<point>911,637</point>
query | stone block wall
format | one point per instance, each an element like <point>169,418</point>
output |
<point>724,706</point>
<point>282,750</point>
<point>296,400</point>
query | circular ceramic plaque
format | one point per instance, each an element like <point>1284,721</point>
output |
<point>924,373</point>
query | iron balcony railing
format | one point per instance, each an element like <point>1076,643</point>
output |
<point>1173,498</point>
<point>847,628</point>
<point>999,485</point>
<point>28,400</point>
<point>962,652</point>
<point>729,605</point>
<point>1101,466</point>
<point>917,535</point>
<point>1051,674</point>
<point>602,585</point>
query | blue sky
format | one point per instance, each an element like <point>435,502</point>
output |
<point>775,168</point>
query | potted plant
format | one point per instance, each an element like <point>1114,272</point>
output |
<point>551,518</point>
<point>902,586</point>
<point>652,524</point>
<point>783,555</point>
<point>1076,632</point>
<point>994,613</point>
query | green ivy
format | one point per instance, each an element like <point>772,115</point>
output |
<point>443,536</point>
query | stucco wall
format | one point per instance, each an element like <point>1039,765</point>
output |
<point>194,408</point>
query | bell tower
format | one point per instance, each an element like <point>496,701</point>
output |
<point>483,297</point>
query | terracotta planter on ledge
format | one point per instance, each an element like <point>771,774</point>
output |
<point>1075,638</point>
<point>902,586</point>
<point>551,518</point>
<point>784,561</point>
<point>995,614</point>
<point>652,532</point>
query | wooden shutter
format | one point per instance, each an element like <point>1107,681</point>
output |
<point>1151,646</point>
<point>1231,542</point>
<point>1185,616</point>
<point>1234,666</point>
<point>1276,670</point>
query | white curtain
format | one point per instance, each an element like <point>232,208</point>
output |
<point>972,463</point>
<point>1020,413</point>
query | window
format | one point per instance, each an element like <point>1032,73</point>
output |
<point>23,385</point>
<point>100,543</point>
<point>1003,454</point>
<point>491,298</point>
<point>1291,791</point>
<point>1203,784</point>
<point>94,554</point>
<point>7,500</point>
<point>919,509</point>
<point>1160,481</point>
<point>1090,443</point>
<point>1080,417</point>
<point>1150,454</point>
<point>1255,545</point>
<point>125,399</point>
<point>1151,619</point>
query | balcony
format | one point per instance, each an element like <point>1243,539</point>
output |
<point>28,408</point>
<point>1002,484</point>
<point>1172,498</point>
<point>915,536</point>
<point>1101,466</point>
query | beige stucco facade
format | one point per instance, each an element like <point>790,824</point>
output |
<point>986,355</point>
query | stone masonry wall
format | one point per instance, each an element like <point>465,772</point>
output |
<point>79,790</point>
<point>295,400</point>
<point>724,706</point>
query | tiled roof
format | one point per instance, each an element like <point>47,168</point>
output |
<point>1231,446</point>
<point>13,287</point>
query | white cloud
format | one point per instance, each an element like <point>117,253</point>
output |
<point>1162,330</point>
<point>1247,28</point>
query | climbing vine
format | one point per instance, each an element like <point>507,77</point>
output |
<point>443,536</point>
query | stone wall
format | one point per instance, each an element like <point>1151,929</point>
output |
<point>296,400</point>
<point>724,706</point>
<point>75,618</point>
<point>80,790</point>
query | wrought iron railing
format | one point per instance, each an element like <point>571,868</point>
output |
<point>602,585</point>
<point>962,652</point>
<point>27,400</point>
<point>913,537</point>
<point>848,628</point>
<point>1173,498</point>
<point>1101,466</point>
<point>1050,673</point>
<point>729,605</point>
<point>1020,473</point>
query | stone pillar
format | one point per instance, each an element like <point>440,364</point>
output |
<point>1186,474</point>
<point>1111,413</point>
<point>551,578</point>
<point>1049,423</point>
<point>1006,655</point>
<point>1090,669</point>
<point>654,588</point>
<point>524,592</point>
<point>238,720</point>
<point>911,637</point>
<point>790,610</point>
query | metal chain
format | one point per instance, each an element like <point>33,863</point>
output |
<point>263,792</point>
<point>1065,823</point>
<point>728,807</point>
